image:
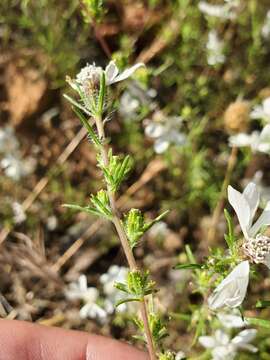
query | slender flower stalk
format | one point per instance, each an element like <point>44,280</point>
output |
<point>91,84</point>
<point>124,241</point>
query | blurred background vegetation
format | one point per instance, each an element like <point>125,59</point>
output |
<point>46,161</point>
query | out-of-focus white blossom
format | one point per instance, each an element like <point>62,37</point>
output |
<point>256,245</point>
<point>266,26</point>
<point>12,163</point>
<point>262,111</point>
<point>180,355</point>
<point>263,189</point>
<point>226,11</point>
<point>224,348</point>
<point>215,48</point>
<point>231,320</point>
<point>165,131</point>
<point>114,274</point>
<point>232,290</point>
<point>257,141</point>
<point>89,296</point>
<point>129,105</point>
<point>16,167</point>
<point>19,214</point>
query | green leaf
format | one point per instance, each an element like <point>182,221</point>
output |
<point>76,104</point>
<point>190,255</point>
<point>229,238</point>
<point>260,304</point>
<point>156,220</point>
<point>188,266</point>
<point>258,322</point>
<point>88,127</point>
<point>124,301</point>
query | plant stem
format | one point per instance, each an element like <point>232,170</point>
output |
<point>124,241</point>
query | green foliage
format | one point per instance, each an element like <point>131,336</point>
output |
<point>116,171</point>
<point>92,10</point>
<point>168,355</point>
<point>101,205</point>
<point>230,237</point>
<point>136,226</point>
<point>137,285</point>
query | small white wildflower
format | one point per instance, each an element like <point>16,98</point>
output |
<point>262,111</point>
<point>180,355</point>
<point>224,12</point>
<point>89,76</point>
<point>113,295</point>
<point>129,105</point>
<point>266,26</point>
<point>224,348</point>
<point>52,223</point>
<point>215,48</point>
<point>13,167</point>
<point>262,188</point>
<point>89,296</point>
<point>256,245</point>
<point>165,131</point>
<point>232,290</point>
<point>231,320</point>
<point>112,72</point>
<point>19,213</point>
<point>257,141</point>
<point>80,291</point>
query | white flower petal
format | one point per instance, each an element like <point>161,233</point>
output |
<point>244,337</point>
<point>127,73</point>
<point>232,290</point>
<point>252,196</point>
<point>240,140</point>
<point>263,220</point>
<point>154,130</point>
<point>242,209</point>
<point>111,72</point>
<point>161,145</point>
<point>230,321</point>
<point>207,341</point>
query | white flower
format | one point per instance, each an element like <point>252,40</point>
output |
<point>263,190</point>
<point>165,131</point>
<point>232,290</point>
<point>89,296</point>
<point>91,74</point>
<point>215,49</point>
<point>256,245</point>
<point>19,214</point>
<point>15,167</point>
<point>113,295</point>
<point>180,355</point>
<point>262,111</point>
<point>266,26</point>
<point>93,311</point>
<point>225,11</point>
<point>80,291</point>
<point>258,142</point>
<point>224,348</point>
<point>129,105</point>
<point>112,72</point>
<point>231,320</point>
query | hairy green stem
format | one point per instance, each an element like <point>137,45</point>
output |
<point>124,242</point>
